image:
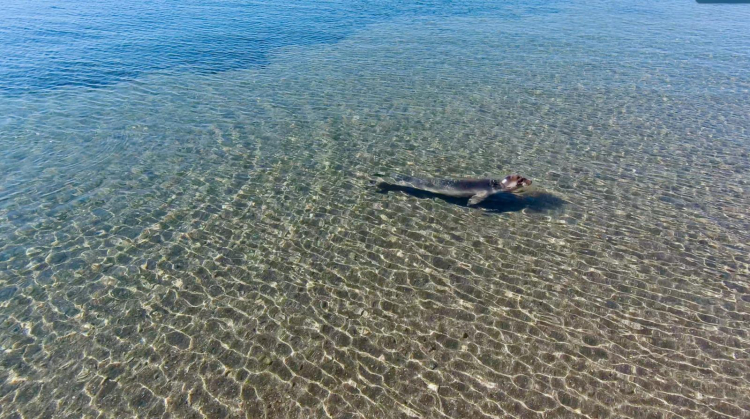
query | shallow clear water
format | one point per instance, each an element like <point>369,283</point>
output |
<point>187,226</point>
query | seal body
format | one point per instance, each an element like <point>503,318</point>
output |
<point>477,190</point>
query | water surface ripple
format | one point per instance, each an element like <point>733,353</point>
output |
<point>180,242</point>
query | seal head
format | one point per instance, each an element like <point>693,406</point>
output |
<point>510,183</point>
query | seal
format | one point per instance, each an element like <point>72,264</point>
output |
<point>477,190</point>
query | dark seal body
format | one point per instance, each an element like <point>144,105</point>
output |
<point>475,189</point>
<point>451,187</point>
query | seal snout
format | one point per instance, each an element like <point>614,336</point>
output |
<point>513,182</point>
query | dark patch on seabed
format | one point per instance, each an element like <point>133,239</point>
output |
<point>111,42</point>
<point>724,1</point>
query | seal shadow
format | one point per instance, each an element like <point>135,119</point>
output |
<point>497,203</point>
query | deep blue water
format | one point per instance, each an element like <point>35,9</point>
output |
<point>48,44</point>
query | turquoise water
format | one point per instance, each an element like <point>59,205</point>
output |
<point>187,226</point>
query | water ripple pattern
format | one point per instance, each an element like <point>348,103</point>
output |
<point>203,240</point>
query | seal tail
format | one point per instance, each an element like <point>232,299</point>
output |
<point>385,181</point>
<point>382,180</point>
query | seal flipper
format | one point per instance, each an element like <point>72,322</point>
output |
<point>479,197</point>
